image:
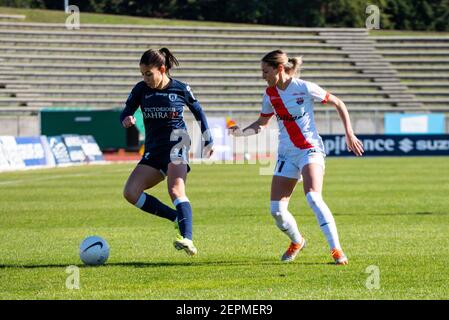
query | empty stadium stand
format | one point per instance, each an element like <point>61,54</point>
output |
<point>44,65</point>
<point>12,17</point>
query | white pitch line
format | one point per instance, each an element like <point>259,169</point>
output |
<point>43,178</point>
<point>55,177</point>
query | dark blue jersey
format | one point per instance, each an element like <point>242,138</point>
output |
<point>163,112</point>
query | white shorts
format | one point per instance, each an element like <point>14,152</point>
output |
<point>291,166</point>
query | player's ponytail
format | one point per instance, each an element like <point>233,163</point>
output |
<point>159,58</point>
<point>279,57</point>
<point>170,59</point>
<point>293,65</point>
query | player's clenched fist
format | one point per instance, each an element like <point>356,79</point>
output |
<point>129,121</point>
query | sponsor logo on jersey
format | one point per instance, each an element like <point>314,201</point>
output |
<point>171,96</point>
<point>289,117</point>
<point>160,113</point>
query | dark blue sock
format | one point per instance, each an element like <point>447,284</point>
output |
<point>184,218</point>
<point>154,206</point>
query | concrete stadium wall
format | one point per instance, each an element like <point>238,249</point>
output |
<point>28,125</point>
<point>327,123</point>
<point>19,125</point>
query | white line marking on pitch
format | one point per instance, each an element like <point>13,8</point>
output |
<point>55,177</point>
<point>44,178</point>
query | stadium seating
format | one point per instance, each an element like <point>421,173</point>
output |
<point>422,63</point>
<point>11,17</point>
<point>97,65</point>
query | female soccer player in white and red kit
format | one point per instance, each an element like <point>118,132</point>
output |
<point>301,151</point>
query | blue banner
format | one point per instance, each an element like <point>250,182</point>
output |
<point>10,157</point>
<point>91,149</point>
<point>391,145</point>
<point>59,150</point>
<point>42,151</point>
<point>34,151</point>
<point>74,147</point>
<point>408,123</point>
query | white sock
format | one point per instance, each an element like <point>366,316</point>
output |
<point>180,200</point>
<point>325,219</point>
<point>285,221</point>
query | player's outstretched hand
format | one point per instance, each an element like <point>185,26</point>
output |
<point>235,131</point>
<point>354,145</point>
<point>208,151</point>
<point>233,128</point>
<point>129,121</point>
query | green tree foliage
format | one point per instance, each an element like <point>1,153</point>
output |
<point>23,3</point>
<point>430,15</point>
<point>346,13</point>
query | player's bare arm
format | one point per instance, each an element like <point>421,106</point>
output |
<point>254,128</point>
<point>354,144</point>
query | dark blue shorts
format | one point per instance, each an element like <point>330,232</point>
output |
<point>160,159</point>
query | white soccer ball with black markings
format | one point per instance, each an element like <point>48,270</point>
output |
<point>94,251</point>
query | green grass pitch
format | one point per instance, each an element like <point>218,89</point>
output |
<point>391,213</point>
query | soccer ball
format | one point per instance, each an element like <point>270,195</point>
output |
<point>94,251</point>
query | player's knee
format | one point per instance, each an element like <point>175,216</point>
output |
<point>274,208</point>
<point>131,195</point>
<point>319,207</point>
<point>176,192</point>
<point>278,207</point>
<point>314,198</point>
<point>279,211</point>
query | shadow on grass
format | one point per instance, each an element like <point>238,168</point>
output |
<point>164,264</point>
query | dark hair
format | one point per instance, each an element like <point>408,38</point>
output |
<point>159,58</point>
<point>278,57</point>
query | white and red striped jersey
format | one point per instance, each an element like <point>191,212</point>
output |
<point>293,108</point>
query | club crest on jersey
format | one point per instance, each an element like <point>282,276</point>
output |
<point>172,96</point>
<point>299,101</point>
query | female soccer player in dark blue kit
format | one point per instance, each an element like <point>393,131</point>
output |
<point>162,100</point>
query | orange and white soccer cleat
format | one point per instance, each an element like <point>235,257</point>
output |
<point>339,257</point>
<point>293,251</point>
